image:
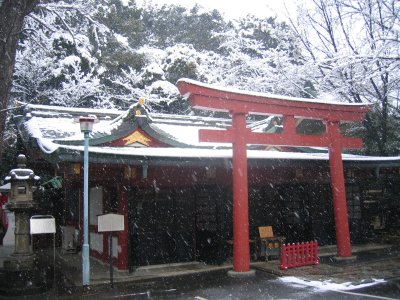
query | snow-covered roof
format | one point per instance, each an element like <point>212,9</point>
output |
<point>59,125</point>
<point>170,152</point>
<point>55,131</point>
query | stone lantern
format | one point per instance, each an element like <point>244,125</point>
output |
<point>20,265</point>
<point>21,203</point>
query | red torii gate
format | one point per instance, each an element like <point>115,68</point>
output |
<point>239,104</point>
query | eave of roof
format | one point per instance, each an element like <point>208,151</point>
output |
<point>181,156</point>
<point>180,132</point>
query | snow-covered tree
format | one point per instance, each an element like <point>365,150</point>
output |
<point>108,53</point>
<point>353,52</point>
<point>12,14</point>
<point>262,55</point>
<point>56,61</point>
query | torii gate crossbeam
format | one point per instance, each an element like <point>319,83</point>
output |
<point>239,104</point>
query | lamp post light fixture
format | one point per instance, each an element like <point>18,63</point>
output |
<point>86,124</point>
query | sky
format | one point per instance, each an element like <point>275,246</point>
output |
<point>233,8</point>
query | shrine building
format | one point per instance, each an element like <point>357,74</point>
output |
<point>176,180</point>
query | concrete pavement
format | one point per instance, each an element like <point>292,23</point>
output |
<point>373,261</point>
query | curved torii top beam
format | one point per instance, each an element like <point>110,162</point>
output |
<point>204,96</point>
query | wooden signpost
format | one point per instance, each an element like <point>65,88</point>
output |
<point>110,223</point>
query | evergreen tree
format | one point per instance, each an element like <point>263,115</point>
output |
<point>12,15</point>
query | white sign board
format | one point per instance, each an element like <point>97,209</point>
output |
<point>110,222</point>
<point>42,224</point>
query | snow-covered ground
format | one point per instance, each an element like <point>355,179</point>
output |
<point>328,284</point>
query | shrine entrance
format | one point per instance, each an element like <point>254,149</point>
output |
<point>240,104</point>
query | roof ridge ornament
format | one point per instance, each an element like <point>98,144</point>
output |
<point>137,110</point>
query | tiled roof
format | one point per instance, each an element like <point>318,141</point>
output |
<point>55,131</point>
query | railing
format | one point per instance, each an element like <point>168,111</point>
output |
<point>300,254</point>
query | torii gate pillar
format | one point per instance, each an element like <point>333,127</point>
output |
<point>241,250</point>
<point>239,104</point>
<point>338,191</point>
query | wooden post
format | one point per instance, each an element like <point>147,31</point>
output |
<point>111,260</point>
<point>123,236</point>
<point>338,191</point>
<point>241,248</point>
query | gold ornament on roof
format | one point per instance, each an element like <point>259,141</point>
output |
<point>137,137</point>
<point>139,107</point>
